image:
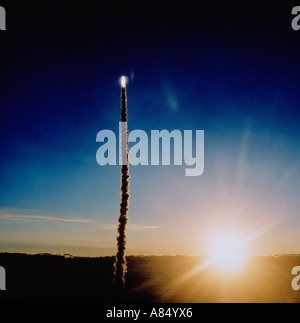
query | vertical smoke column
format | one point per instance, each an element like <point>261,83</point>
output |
<point>120,263</point>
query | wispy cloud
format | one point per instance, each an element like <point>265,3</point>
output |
<point>104,226</point>
<point>15,217</point>
<point>130,227</point>
<point>141,227</point>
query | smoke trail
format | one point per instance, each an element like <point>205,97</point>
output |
<point>120,262</point>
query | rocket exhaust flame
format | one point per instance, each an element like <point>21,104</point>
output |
<point>123,82</point>
<point>120,262</point>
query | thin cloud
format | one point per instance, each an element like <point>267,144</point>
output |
<point>141,227</point>
<point>43,217</point>
<point>131,227</point>
<point>101,225</point>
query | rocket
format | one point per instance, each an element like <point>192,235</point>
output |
<point>120,262</point>
<point>123,100</point>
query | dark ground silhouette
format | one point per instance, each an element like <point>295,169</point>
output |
<point>55,278</point>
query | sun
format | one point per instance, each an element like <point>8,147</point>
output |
<point>226,252</point>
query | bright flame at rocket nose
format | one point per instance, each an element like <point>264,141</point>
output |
<point>123,81</point>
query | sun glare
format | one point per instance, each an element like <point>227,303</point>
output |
<point>226,252</point>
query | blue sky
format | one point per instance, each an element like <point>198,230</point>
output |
<point>211,70</point>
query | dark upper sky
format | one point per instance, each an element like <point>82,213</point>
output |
<point>232,70</point>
